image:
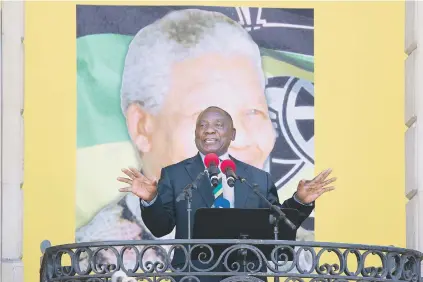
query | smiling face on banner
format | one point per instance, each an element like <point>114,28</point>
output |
<point>231,83</point>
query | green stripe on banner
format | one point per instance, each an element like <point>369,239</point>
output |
<point>100,61</point>
<point>298,60</point>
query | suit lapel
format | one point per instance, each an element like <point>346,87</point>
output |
<point>194,167</point>
<point>241,190</point>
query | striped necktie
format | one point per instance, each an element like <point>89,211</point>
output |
<point>219,200</point>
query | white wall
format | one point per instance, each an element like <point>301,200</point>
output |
<point>413,119</point>
<point>12,86</point>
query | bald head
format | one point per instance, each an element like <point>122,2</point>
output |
<point>215,108</point>
<point>214,131</point>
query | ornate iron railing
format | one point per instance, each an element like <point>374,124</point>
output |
<point>228,260</point>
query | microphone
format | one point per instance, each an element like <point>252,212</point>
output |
<point>228,167</point>
<point>212,162</point>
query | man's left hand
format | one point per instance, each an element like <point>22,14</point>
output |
<point>309,190</point>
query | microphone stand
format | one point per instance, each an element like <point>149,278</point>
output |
<point>186,194</point>
<point>280,214</point>
<point>273,219</point>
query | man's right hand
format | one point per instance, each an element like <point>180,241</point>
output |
<point>140,185</point>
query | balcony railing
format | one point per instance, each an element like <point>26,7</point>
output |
<point>230,260</point>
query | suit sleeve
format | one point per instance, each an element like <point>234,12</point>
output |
<point>272,196</point>
<point>159,217</point>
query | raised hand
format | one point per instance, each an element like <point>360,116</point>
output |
<point>309,190</point>
<point>140,185</point>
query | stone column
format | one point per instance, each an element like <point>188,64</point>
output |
<point>413,120</point>
<point>12,90</point>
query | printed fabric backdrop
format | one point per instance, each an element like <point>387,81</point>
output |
<point>107,142</point>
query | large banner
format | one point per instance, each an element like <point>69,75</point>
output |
<point>144,73</point>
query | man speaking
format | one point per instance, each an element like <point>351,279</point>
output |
<point>214,133</point>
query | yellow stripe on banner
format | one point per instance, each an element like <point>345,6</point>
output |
<point>278,68</point>
<point>104,162</point>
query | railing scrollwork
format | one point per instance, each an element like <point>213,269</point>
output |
<point>230,260</point>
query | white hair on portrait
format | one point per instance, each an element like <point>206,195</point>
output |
<point>179,35</point>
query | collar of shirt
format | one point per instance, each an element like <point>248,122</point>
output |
<point>223,157</point>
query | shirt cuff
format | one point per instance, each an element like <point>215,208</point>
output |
<point>147,204</point>
<point>298,200</point>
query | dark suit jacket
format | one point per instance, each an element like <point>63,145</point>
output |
<point>162,216</point>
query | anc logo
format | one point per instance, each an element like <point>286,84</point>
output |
<point>291,108</point>
<point>290,99</point>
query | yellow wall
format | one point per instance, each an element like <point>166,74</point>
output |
<point>359,128</point>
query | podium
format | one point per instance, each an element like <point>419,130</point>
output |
<point>251,224</point>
